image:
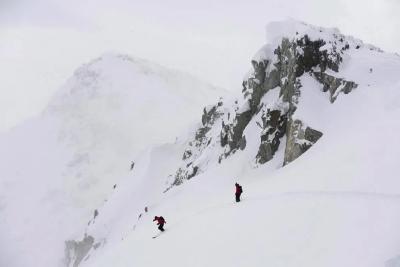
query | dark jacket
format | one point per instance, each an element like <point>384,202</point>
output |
<point>239,189</point>
<point>160,220</point>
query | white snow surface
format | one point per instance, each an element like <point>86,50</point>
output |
<point>336,205</point>
<point>58,167</point>
<point>295,30</point>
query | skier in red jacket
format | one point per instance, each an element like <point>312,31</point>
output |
<point>160,222</point>
<point>238,191</point>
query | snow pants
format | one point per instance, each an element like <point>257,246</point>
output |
<point>237,197</point>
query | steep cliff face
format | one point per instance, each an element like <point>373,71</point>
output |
<point>296,52</point>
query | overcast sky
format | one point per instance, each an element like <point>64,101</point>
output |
<point>44,41</point>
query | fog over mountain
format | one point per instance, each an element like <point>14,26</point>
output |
<point>44,41</point>
<point>114,114</point>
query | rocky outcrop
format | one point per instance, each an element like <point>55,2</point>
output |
<point>296,58</point>
<point>76,251</point>
<point>312,55</point>
<point>274,128</point>
<point>299,140</point>
<point>231,134</point>
<point>254,89</point>
<point>280,67</point>
<point>334,85</point>
<point>201,140</point>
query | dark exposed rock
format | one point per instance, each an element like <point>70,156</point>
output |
<point>256,83</point>
<point>224,134</point>
<point>254,89</point>
<point>185,173</point>
<point>274,128</point>
<point>231,134</point>
<point>313,56</point>
<point>76,251</point>
<point>312,135</point>
<point>299,140</point>
<point>272,80</point>
<point>187,154</point>
<point>241,121</point>
<point>242,144</point>
<point>334,85</point>
<point>201,133</point>
<point>287,67</point>
<point>193,173</point>
<point>274,118</point>
<point>208,119</point>
<point>290,65</point>
<point>201,140</point>
<point>208,115</point>
<point>283,68</point>
<point>265,152</point>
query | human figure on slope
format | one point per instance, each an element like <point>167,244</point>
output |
<point>132,165</point>
<point>160,222</point>
<point>238,191</point>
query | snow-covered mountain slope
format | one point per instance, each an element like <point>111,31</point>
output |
<point>115,107</point>
<point>57,168</point>
<point>292,78</point>
<point>314,143</point>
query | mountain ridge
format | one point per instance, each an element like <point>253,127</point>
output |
<point>309,192</point>
<point>58,167</point>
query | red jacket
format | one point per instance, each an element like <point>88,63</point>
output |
<point>160,220</point>
<point>238,189</point>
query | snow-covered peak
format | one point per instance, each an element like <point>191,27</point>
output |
<point>63,164</point>
<point>115,106</point>
<point>295,30</point>
<point>292,29</point>
<point>286,97</point>
<point>114,73</point>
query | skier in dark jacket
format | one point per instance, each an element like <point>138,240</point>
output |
<point>238,191</point>
<point>160,222</point>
